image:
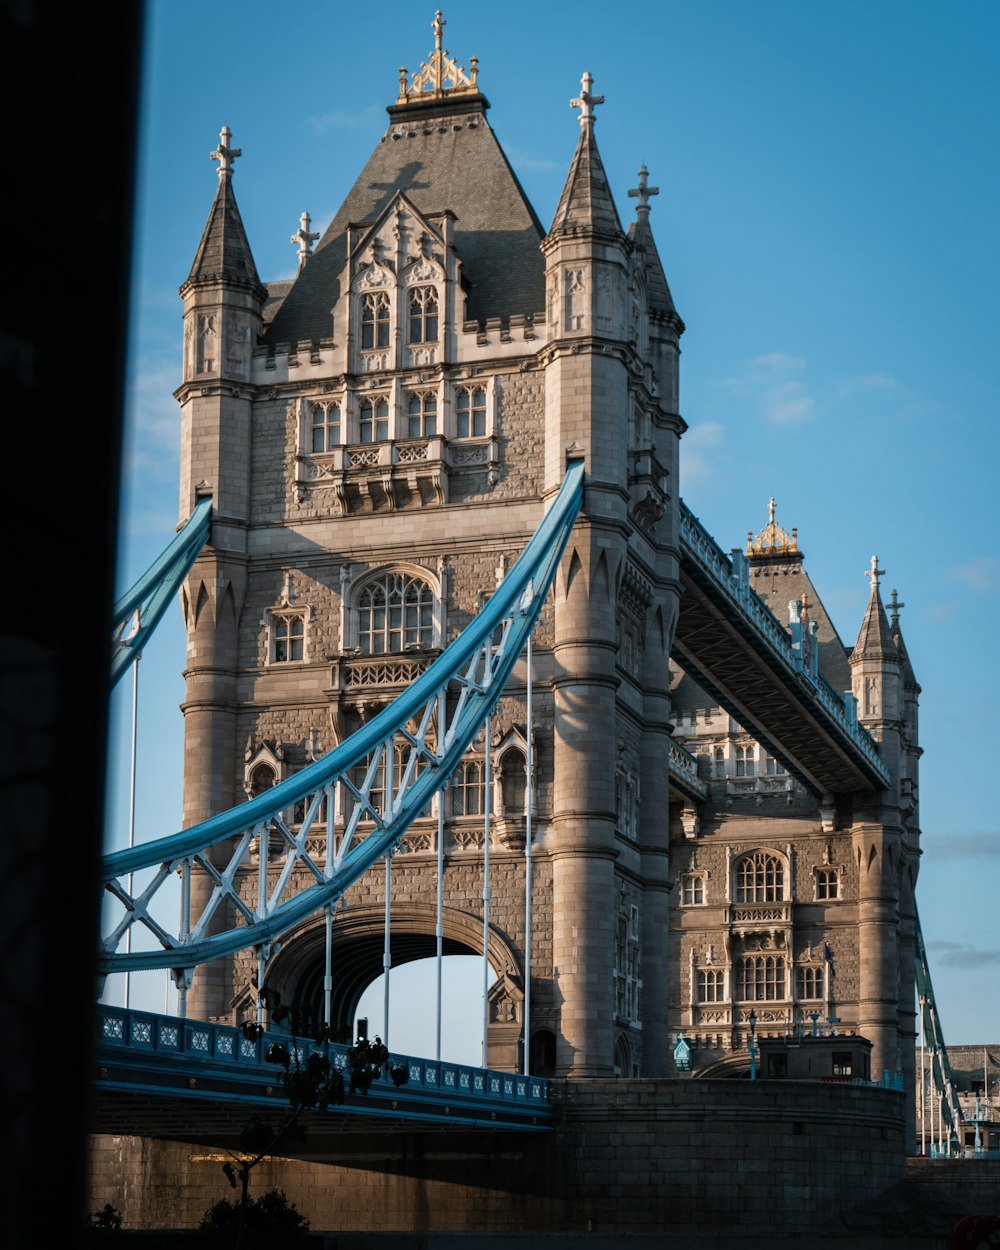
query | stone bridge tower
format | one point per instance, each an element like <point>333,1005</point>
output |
<point>380,436</point>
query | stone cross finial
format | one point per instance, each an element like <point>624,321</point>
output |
<point>586,101</point>
<point>894,607</point>
<point>224,154</point>
<point>304,238</point>
<point>643,192</point>
<point>874,573</point>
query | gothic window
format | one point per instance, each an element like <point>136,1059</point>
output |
<point>261,778</point>
<point>746,764</point>
<point>373,420</point>
<point>711,985</point>
<point>761,977</point>
<point>720,763</point>
<point>694,890</point>
<point>395,612</point>
<point>375,320</point>
<point>513,783</point>
<point>774,769</point>
<point>629,637</point>
<point>471,412</point>
<point>827,883</point>
<point>421,415</point>
<point>627,964</point>
<point>810,982</point>
<point>288,637</point>
<point>760,878</point>
<point>626,805</point>
<point>325,427</point>
<point>423,314</point>
<point>467,789</point>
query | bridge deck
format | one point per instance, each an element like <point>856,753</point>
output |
<point>161,1076</point>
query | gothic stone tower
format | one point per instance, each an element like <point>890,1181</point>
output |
<point>380,437</point>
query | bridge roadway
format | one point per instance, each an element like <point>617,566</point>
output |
<point>188,1080</point>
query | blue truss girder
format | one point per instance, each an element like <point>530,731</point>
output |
<point>429,728</point>
<point>151,594</point>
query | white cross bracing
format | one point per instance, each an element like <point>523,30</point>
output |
<point>353,799</point>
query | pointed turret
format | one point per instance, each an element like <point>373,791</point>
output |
<point>875,640</point>
<point>224,253</point>
<point>658,290</point>
<point>586,206</point>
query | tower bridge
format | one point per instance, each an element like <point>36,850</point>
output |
<point>463,673</point>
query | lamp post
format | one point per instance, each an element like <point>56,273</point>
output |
<point>752,1045</point>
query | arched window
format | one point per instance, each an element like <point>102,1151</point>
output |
<point>711,985</point>
<point>471,412</point>
<point>423,314</point>
<point>467,791</point>
<point>761,977</point>
<point>513,783</point>
<point>262,778</point>
<point>760,878</point>
<point>288,635</point>
<point>720,763</point>
<point>373,420</point>
<point>395,611</point>
<point>694,889</point>
<point>810,982</point>
<point>325,427</point>
<point>421,415</point>
<point>746,764</point>
<point>375,320</point>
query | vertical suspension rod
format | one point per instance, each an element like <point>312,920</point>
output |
<point>529,806</point>
<point>487,805</point>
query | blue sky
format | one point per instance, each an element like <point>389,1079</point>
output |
<point>829,196</point>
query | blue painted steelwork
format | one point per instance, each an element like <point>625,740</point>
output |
<point>145,1054</point>
<point>699,545</point>
<point>465,681</point>
<point>952,1115</point>
<point>153,591</point>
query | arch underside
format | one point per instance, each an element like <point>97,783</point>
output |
<point>357,952</point>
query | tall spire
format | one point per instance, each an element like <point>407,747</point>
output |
<point>875,638</point>
<point>224,252</point>
<point>586,204</point>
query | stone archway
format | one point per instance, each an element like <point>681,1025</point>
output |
<point>297,971</point>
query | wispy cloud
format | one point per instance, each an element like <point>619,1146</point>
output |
<point>365,119</point>
<point>774,385</point>
<point>963,845</point>
<point>982,573</point>
<point>962,955</point>
<point>523,160</point>
<point>697,447</point>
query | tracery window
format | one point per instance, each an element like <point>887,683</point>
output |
<point>827,883</point>
<point>373,420</point>
<point>711,985</point>
<point>375,320</point>
<point>627,964</point>
<point>720,763</point>
<point>761,977</point>
<point>325,427</point>
<point>421,415</point>
<point>471,412</point>
<point>423,314</point>
<point>288,634</point>
<point>395,611</point>
<point>694,890</point>
<point>774,768</point>
<point>746,764</point>
<point>467,789</point>
<point>626,805</point>
<point>810,982</point>
<point>760,878</point>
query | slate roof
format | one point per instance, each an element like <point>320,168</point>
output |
<point>586,204</point>
<point>875,640</point>
<point>657,290</point>
<point>224,254</point>
<point>443,157</point>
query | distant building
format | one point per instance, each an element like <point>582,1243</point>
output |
<point>976,1074</point>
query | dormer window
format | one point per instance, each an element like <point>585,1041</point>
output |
<point>421,415</point>
<point>375,320</point>
<point>325,427</point>
<point>423,315</point>
<point>471,412</point>
<point>373,420</point>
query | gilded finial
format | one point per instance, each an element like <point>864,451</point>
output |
<point>440,75</point>
<point>224,154</point>
<point>586,101</point>
<point>772,539</point>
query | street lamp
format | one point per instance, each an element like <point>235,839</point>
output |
<point>752,1045</point>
